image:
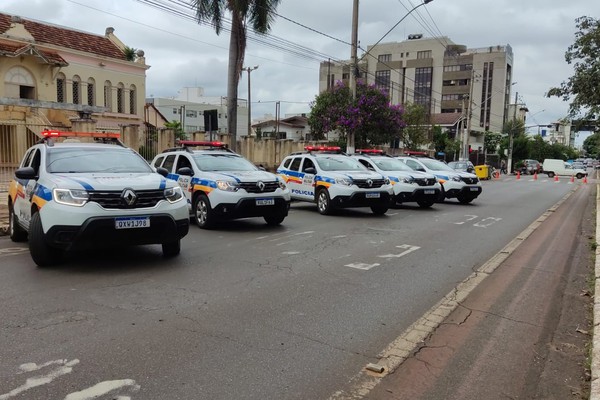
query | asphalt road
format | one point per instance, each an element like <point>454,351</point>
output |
<point>247,311</point>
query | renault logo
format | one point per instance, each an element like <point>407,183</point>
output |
<point>261,185</point>
<point>129,197</point>
<point>370,182</point>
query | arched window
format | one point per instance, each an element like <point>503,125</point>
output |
<point>120,98</point>
<point>91,92</point>
<point>108,95</point>
<point>19,83</point>
<point>76,89</point>
<point>132,100</point>
<point>61,88</point>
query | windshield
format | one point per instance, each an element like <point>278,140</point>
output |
<point>340,164</point>
<point>435,165</point>
<point>223,162</point>
<point>101,159</point>
<point>391,164</point>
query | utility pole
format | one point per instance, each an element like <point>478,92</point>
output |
<point>249,69</point>
<point>511,135</point>
<point>354,66</point>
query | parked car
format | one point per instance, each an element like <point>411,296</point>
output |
<point>222,185</point>
<point>409,185</point>
<point>578,165</point>
<point>530,167</point>
<point>465,166</point>
<point>554,167</point>
<point>76,195</point>
<point>463,186</point>
<point>332,179</point>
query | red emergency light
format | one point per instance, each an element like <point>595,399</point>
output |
<point>322,148</point>
<point>48,133</point>
<point>369,151</point>
<point>201,143</point>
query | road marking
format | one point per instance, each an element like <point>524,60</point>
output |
<point>13,250</point>
<point>64,367</point>
<point>483,224</point>
<point>364,267</point>
<point>469,218</point>
<point>291,253</point>
<point>409,249</point>
<point>103,388</point>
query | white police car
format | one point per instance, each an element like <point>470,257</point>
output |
<point>332,179</point>
<point>463,186</point>
<point>79,195</point>
<point>409,185</point>
<point>220,184</point>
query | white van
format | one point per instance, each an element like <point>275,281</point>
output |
<point>558,167</point>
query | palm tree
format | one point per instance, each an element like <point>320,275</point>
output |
<point>259,14</point>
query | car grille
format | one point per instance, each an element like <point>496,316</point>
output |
<point>425,181</point>
<point>113,199</point>
<point>470,181</point>
<point>253,187</point>
<point>363,183</point>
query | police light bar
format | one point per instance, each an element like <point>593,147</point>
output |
<point>47,133</point>
<point>369,151</point>
<point>201,143</point>
<point>322,148</point>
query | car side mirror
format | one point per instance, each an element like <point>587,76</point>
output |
<point>471,170</point>
<point>163,171</point>
<point>26,173</point>
<point>310,170</point>
<point>185,171</point>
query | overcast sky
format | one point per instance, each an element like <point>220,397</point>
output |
<point>183,53</point>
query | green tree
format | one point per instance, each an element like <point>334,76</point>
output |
<point>258,14</point>
<point>177,129</point>
<point>130,53</point>
<point>416,132</point>
<point>591,145</point>
<point>370,116</point>
<point>491,141</point>
<point>583,88</point>
<point>440,139</point>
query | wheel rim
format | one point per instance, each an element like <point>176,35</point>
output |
<point>322,202</point>
<point>201,212</point>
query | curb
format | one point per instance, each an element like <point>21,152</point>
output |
<point>595,351</point>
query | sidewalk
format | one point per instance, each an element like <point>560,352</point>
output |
<point>3,213</point>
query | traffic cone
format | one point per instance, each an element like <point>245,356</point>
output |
<point>572,179</point>
<point>518,175</point>
<point>556,178</point>
<point>585,179</point>
<point>535,176</point>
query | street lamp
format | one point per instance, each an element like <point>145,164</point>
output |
<point>353,56</point>
<point>249,69</point>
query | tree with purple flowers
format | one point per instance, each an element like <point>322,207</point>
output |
<point>370,115</point>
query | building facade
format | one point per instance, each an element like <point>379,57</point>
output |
<point>444,77</point>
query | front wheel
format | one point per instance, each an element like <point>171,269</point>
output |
<point>41,253</point>
<point>425,203</point>
<point>464,200</point>
<point>17,234</point>
<point>379,210</point>
<point>171,249</point>
<point>203,214</point>
<point>579,176</point>
<point>324,202</point>
<point>274,219</point>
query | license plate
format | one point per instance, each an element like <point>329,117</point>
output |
<point>372,195</point>
<point>474,189</point>
<point>132,222</point>
<point>265,202</point>
<point>429,191</point>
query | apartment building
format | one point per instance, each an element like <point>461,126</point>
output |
<point>465,90</point>
<point>51,76</point>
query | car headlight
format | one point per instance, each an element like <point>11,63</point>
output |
<point>408,179</point>
<point>282,184</point>
<point>343,181</point>
<point>386,181</point>
<point>173,194</point>
<point>457,179</point>
<point>70,197</point>
<point>228,186</point>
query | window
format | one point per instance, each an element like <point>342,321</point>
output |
<point>423,78</point>
<point>382,80</point>
<point>191,113</point>
<point>307,164</point>
<point>91,92</point>
<point>424,54</point>
<point>461,67</point>
<point>384,57</point>
<point>295,166</point>
<point>120,98</point>
<point>108,95</point>
<point>61,88</point>
<point>158,161</point>
<point>76,90</point>
<point>132,100</point>
<point>169,161</point>
<point>175,110</point>
<point>345,75</point>
<point>19,83</point>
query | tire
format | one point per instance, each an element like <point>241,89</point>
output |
<point>464,200</point>
<point>379,210</point>
<point>171,249</point>
<point>41,253</point>
<point>17,234</point>
<point>442,197</point>
<point>579,176</point>
<point>550,174</point>
<point>324,202</point>
<point>274,219</point>
<point>203,214</point>
<point>425,203</point>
